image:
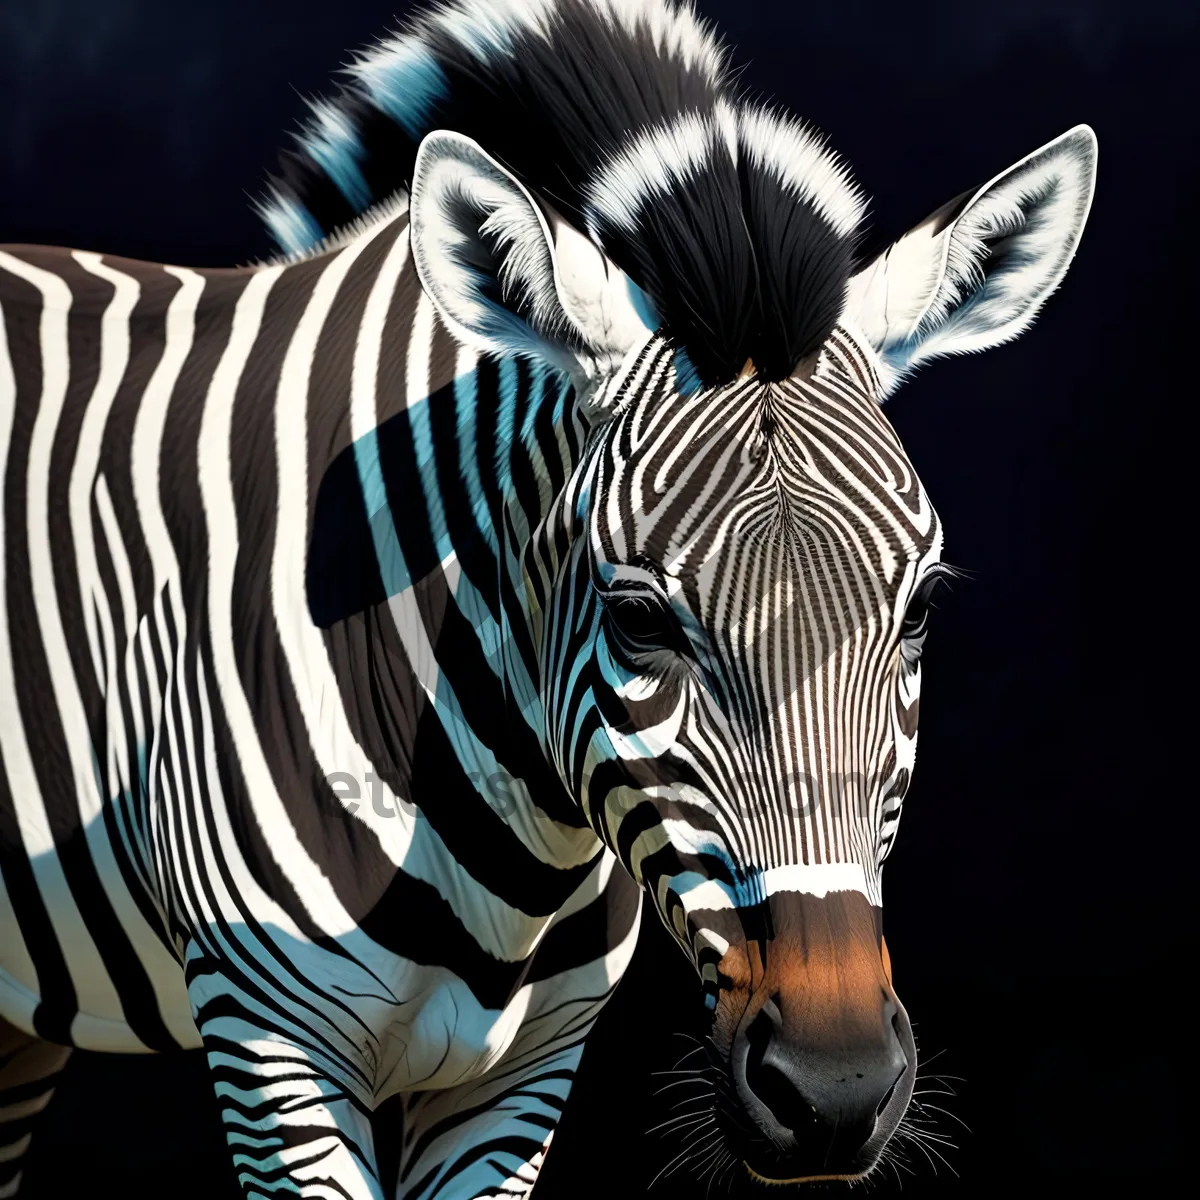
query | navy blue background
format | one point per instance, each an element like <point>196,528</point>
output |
<point>1038,904</point>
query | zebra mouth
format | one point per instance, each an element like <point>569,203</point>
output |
<point>807,1148</point>
<point>772,1181</point>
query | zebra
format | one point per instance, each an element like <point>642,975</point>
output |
<point>384,620</point>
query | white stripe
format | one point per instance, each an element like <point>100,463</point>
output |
<point>83,960</point>
<point>161,966</point>
<point>114,357</point>
<point>128,600</point>
<point>420,349</point>
<point>216,491</point>
<point>502,930</point>
<point>810,879</point>
<point>86,482</point>
<point>148,434</point>
<point>145,467</point>
<point>145,464</point>
<point>14,751</point>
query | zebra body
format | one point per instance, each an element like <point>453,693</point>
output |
<point>209,861</point>
<point>382,622</point>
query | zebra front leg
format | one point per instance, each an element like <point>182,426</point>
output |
<point>29,1070</point>
<point>487,1138</point>
<point>294,1100</point>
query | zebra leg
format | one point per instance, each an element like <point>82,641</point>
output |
<point>297,1114</point>
<point>487,1138</point>
<point>29,1070</point>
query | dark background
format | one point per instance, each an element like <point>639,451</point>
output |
<point>1038,911</point>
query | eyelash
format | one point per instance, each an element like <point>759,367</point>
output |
<point>642,626</point>
<point>916,615</point>
<point>639,617</point>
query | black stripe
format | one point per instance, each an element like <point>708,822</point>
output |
<point>58,1002</point>
<point>589,934</point>
<point>431,935</point>
<point>479,838</point>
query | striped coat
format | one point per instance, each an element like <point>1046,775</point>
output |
<point>383,622</point>
<point>172,712</point>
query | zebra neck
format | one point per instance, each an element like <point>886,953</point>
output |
<point>438,470</point>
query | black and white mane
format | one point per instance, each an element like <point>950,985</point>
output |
<point>736,222</point>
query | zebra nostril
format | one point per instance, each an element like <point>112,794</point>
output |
<point>773,1089</point>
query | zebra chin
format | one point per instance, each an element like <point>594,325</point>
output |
<point>816,1048</point>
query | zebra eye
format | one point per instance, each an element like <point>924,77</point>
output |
<point>916,616</point>
<point>641,620</point>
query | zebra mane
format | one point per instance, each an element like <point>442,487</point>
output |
<point>736,222</point>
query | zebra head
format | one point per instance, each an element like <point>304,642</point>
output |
<point>729,589</point>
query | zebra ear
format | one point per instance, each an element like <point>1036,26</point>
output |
<point>607,309</point>
<point>506,276</point>
<point>975,273</point>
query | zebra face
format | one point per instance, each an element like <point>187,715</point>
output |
<point>729,591</point>
<point>759,557</point>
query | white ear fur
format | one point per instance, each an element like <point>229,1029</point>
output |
<point>597,296</point>
<point>464,207</point>
<point>966,282</point>
<point>460,196</point>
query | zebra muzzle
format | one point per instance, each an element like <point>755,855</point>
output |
<point>819,1048</point>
